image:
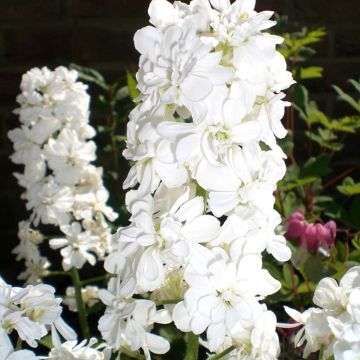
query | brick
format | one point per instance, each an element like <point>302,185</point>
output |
<point>88,8</point>
<point>98,45</point>
<point>9,85</point>
<point>2,48</point>
<point>347,43</point>
<point>279,6</point>
<point>324,11</point>
<point>39,45</point>
<point>29,11</point>
<point>126,8</point>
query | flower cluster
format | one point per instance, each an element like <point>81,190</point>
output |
<point>206,163</point>
<point>62,187</point>
<point>31,312</point>
<point>335,325</point>
<point>314,237</point>
<point>89,295</point>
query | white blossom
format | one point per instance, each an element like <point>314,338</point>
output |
<point>335,326</point>
<point>205,165</point>
<point>61,185</point>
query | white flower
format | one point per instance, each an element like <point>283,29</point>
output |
<point>76,248</point>
<point>71,350</point>
<point>60,182</point>
<point>7,351</point>
<point>248,184</point>
<point>223,128</point>
<point>168,241</point>
<point>163,13</point>
<point>51,202</point>
<point>259,341</point>
<point>89,295</point>
<point>221,296</point>
<point>128,322</point>
<point>31,312</point>
<point>154,156</point>
<point>67,156</point>
<point>176,66</point>
<point>335,327</point>
<point>202,140</point>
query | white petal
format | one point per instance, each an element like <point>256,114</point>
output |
<point>157,344</point>
<point>202,229</point>
<point>191,209</point>
<point>196,88</point>
<point>145,39</point>
<point>181,317</point>
<point>150,272</point>
<point>221,203</point>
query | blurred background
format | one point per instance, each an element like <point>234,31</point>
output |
<point>98,34</point>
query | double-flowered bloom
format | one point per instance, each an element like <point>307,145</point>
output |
<point>202,140</point>
<point>334,325</point>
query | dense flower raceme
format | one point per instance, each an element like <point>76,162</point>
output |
<point>334,325</point>
<point>314,237</point>
<point>31,313</point>
<point>62,187</point>
<point>202,140</point>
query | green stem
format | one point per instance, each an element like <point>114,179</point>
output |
<point>223,353</point>
<point>132,354</point>
<point>57,273</point>
<point>79,303</point>
<point>95,279</point>
<point>192,346</point>
<point>19,344</point>
<point>169,301</point>
<point>321,354</point>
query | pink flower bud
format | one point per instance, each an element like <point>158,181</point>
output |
<point>296,224</point>
<point>331,226</point>
<point>319,236</point>
<point>309,238</point>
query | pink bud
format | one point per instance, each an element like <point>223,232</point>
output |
<point>309,238</point>
<point>296,224</point>
<point>331,225</point>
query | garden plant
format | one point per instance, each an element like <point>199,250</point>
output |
<point>235,234</point>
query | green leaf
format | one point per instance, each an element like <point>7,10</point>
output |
<point>300,182</point>
<point>291,203</point>
<point>341,251</point>
<point>347,124</point>
<point>131,83</point>
<point>356,242</point>
<point>90,75</point>
<point>308,287</point>
<point>349,187</point>
<point>46,341</point>
<point>313,269</point>
<point>287,276</point>
<point>121,94</point>
<point>301,98</point>
<point>355,84</point>
<point>287,143</point>
<point>311,72</point>
<point>316,167</point>
<point>347,98</point>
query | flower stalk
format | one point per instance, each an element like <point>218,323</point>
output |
<point>192,346</point>
<point>223,353</point>
<point>80,304</point>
